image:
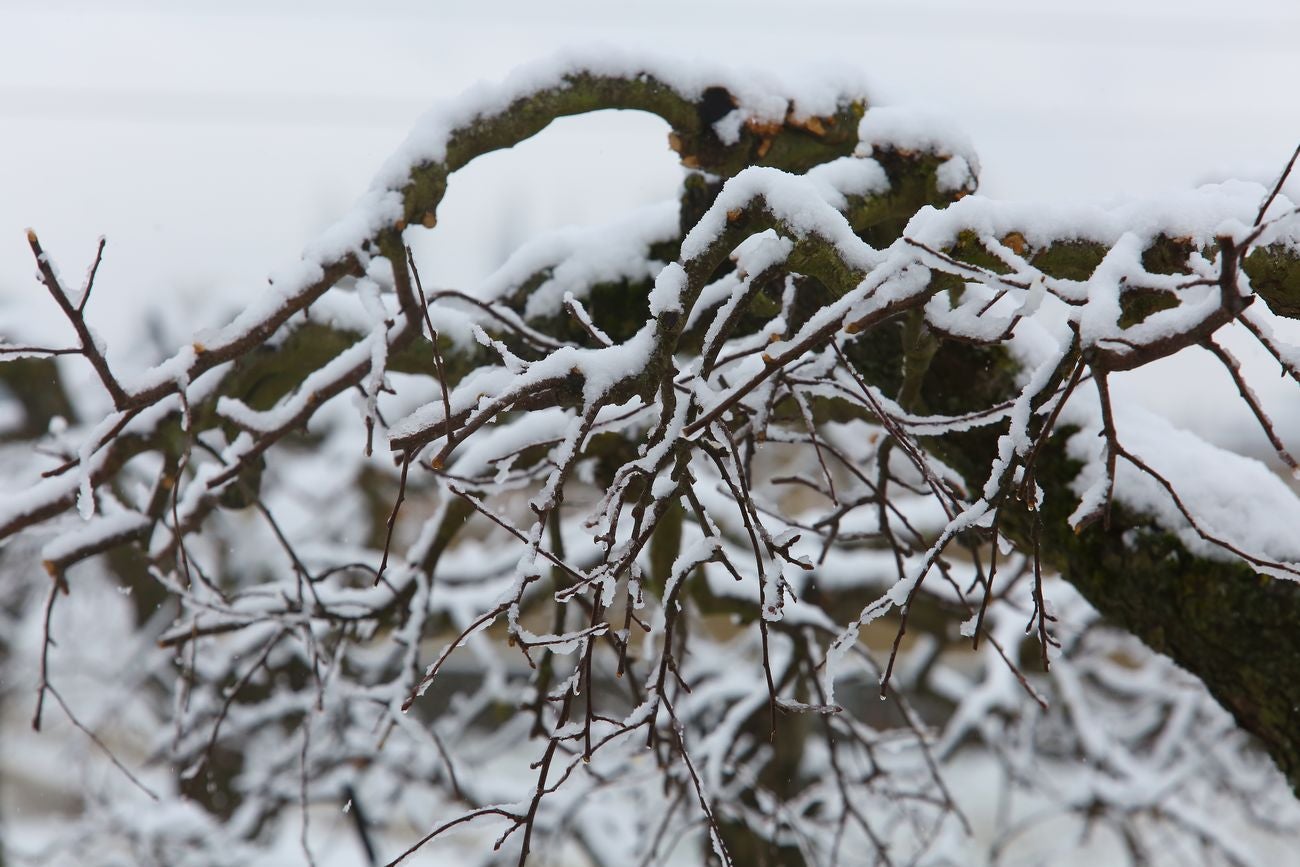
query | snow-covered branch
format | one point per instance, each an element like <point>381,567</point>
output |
<point>701,480</point>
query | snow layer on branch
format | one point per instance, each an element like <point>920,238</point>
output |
<point>92,533</point>
<point>794,200</point>
<point>666,296</point>
<point>1200,215</point>
<point>577,259</point>
<point>600,370</point>
<point>1234,498</point>
<point>964,319</point>
<point>848,176</point>
<point>490,450</point>
<point>896,128</point>
<point>761,96</point>
<point>757,253</point>
<point>347,236</point>
<point>284,413</point>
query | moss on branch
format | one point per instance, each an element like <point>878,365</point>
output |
<point>1231,627</point>
<point>795,144</point>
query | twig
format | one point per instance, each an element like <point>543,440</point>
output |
<point>1277,187</point>
<point>89,344</point>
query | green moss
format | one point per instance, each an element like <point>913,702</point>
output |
<point>913,183</point>
<point>1135,306</point>
<point>792,146</point>
<point>1275,276</point>
<point>1069,260</point>
<point>1234,629</point>
<point>968,249</point>
<point>1168,255</point>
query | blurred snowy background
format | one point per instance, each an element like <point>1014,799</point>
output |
<point>209,142</point>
